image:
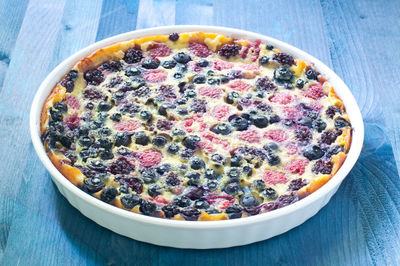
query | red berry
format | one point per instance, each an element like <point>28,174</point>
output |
<point>292,148</point>
<point>277,135</point>
<point>315,91</point>
<point>149,158</point>
<point>126,126</point>
<point>292,113</point>
<point>281,98</point>
<point>161,200</point>
<point>239,85</point>
<point>274,177</point>
<point>73,121</point>
<point>250,136</point>
<point>72,102</point>
<point>250,67</point>
<point>156,76</point>
<point>220,65</point>
<point>160,50</point>
<point>220,111</point>
<point>199,49</point>
<point>297,166</point>
<point>212,92</point>
<point>206,145</point>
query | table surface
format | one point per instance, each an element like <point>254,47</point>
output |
<point>360,40</point>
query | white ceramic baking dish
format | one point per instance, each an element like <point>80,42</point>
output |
<point>197,234</point>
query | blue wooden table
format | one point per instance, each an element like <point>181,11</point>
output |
<point>359,39</point>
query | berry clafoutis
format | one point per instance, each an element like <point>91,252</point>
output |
<point>195,126</point>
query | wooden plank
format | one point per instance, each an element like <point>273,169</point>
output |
<point>153,13</point>
<point>194,12</point>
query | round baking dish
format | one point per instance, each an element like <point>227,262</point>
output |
<point>198,234</point>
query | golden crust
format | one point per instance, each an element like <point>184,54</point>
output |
<point>73,174</point>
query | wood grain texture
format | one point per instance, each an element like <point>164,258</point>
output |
<point>358,39</point>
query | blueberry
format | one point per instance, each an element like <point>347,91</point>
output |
<point>300,83</point>
<point>182,100</point>
<point>232,188</point>
<point>247,170</point>
<point>223,129</point>
<point>249,201</point>
<point>313,153</point>
<point>341,123</point>
<point>273,159</point>
<point>109,194</point>
<point>169,64</point>
<point>89,106</point>
<point>182,58</point>
<point>259,184</point>
<point>199,79</point>
<point>141,138</point>
<point>61,106</point>
<point>234,173</point>
<point>151,63</point>
<point>274,118</point>
<point>232,97</point>
<point>260,121</point>
<point>190,93</point>
<point>182,68</point>
<point>159,141</point>
<point>197,163</point>
<point>210,174</point>
<point>236,160</point>
<point>55,115</point>
<point>119,95</point>
<point>270,47</point>
<point>106,155</point>
<point>178,75</point>
<point>154,190</point>
<point>178,132</point>
<point>218,158</point>
<point>264,60</point>
<point>283,74</point>
<point>181,201</point>
<point>93,185</point>
<point>240,123</point>
<point>201,204</point>
<point>170,211</point>
<point>319,125</point>
<point>104,107</point>
<point>145,115</point>
<point>173,36</point>
<point>105,131</point>
<point>162,110</point>
<point>271,146</point>
<point>187,153</point>
<point>312,75</point>
<point>234,211</point>
<point>194,178</point>
<point>224,79</point>
<point>212,81</point>
<point>182,111</point>
<point>269,193</point>
<point>132,71</point>
<point>212,185</point>
<point>164,168</point>
<point>147,207</point>
<point>202,63</point>
<point>123,151</point>
<point>122,138</point>
<point>85,141</point>
<point>116,117</point>
<point>172,180</point>
<point>149,176</point>
<point>191,141</point>
<point>210,73</point>
<point>129,201</point>
<point>173,148</point>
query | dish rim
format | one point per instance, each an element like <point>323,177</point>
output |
<point>59,71</point>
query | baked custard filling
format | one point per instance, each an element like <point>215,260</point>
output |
<point>195,126</point>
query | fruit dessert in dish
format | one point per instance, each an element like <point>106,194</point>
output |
<point>195,126</point>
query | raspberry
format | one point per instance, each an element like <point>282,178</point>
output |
<point>221,65</point>
<point>160,50</point>
<point>292,148</point>
<point>274,177</point>
<point>199,49</point>
<point>149,158</point>
<point>212,92</point>
<point>156,76</point>
<point>228,50</point>
<point>321,167</point>
<point>212,198</point>
<point>264,84</point>
<point>297,166</point>
<point>250,136</point>
<point>292,113</point>
<point>315,91</point>
<point>277,135</point>
<point>72,102</point>
<point>239,85</point>
<point>126,126</point>
<point>281,98</point>
<point>161,200</point>
<point>194,67</point>
<point>73,121</point>
<point>250,67</point>
<point>220,111</point>
<point>283,58</point>
<point>206,145</point>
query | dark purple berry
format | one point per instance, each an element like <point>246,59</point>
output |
<point>321,167</point>
<point>341,123</point>
<point>173,36</point>
<point>303,135</point>
<point>331,111</point>
<point>199,106</point>
<point>234,211</point>
<point>148,208</point>
<point>109,194</point>
<point>133,56</point>
<point>296,184</point>
<point>94,77</point>
<point>170,211</point>
<point>283,58</point>
<point>228,50</point>
<point>264,84</point>
<point>121,166</point>
<point>93,184</point>
<point>129,201</point>
<point>329,136</point>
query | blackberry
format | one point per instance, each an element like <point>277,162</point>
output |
<point>264,84</point>
<point>109,194</point>
<point>341,123</point>
<point>173,37</point>
<point>296,184</point>
<point>181,201</point>
<point>151,63</point>
<point>264,60</point>
<point>94,77</point>
<point>234,211</point>
<point>147,207</point>
<point>121,166</point>
<point>228,50</point>
<point>321,167</point>
<point>331,111</point>
<point>92,94</point>
<point>283,58</point>
<point>133,56</point>
<point>154,190</point>
<point>313,153</point>
<point>195,193</point>
<point>199,106</point>
<point>112,66</point>
<point>170,210</point>
<point>172,180</point>
<point>329,136</point>
<point>129,201</point>
<point>142,92</point>
<point>285,200</point>
<point>303,135</point>
<point>129,108</point>
<point>182,58</point>
<point>311,75</point>
<point>106,155</point>
<point>283,74</point>
<point>164,124</point>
